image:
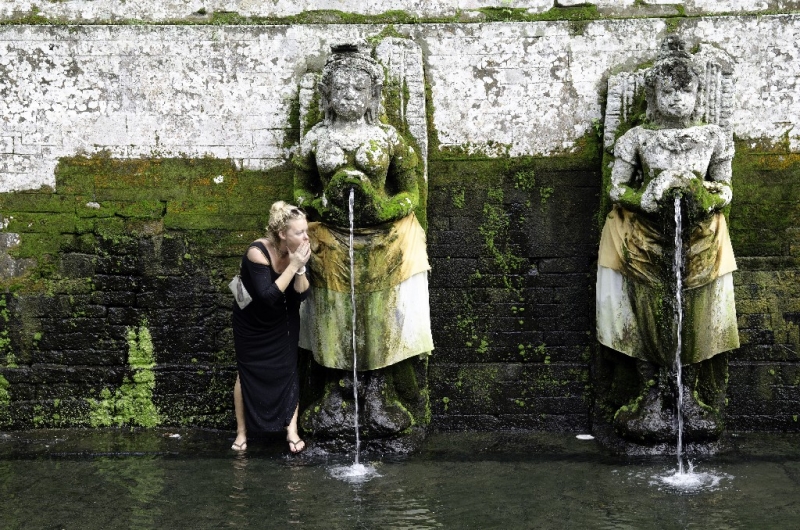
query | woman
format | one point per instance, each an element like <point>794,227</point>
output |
<point>266,331</point>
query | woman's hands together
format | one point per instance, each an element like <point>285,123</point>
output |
<point>300,256</point>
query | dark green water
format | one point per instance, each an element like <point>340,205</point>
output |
<point>80,480</point>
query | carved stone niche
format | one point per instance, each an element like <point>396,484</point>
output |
<point>626,93</point>
<point>635,409</point>
<point>393,405</point>
<point>405,84</point>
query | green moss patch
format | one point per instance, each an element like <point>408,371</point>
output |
<point>132,403</point>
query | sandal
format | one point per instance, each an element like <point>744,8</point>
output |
<point>293,445</point>
<point>239,447</point>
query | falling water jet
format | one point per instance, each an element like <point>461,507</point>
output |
<point>357,472</point>
<point>677,265</point>
<point>351,203</point>
<point>683,480</point>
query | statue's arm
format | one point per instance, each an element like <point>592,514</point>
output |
<point>719,186</point>
<point>622,192</point>
<point>402,178</point>
<point>720,172</point>
<point>307,184</point>
<point>625,191</point>
<point>714,192</point>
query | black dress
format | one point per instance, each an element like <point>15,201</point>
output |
<point>265,335</point>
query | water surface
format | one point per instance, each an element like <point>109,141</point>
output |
<point>117,479</point>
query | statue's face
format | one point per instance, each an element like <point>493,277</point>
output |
<point>350,93</point>
<point>675,100</point>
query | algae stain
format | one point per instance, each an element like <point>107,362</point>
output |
<point>5,403</point>
<point>132,403</point>
<point>6,351</point>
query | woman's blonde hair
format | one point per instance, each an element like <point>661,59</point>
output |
<point>281,213</point>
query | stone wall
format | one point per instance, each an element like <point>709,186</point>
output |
<point>137,162</point>
<point>327,11</point>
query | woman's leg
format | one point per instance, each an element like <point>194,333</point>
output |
<point>240,444</point>
<point>295,443</point>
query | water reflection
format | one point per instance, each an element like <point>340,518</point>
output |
<point>307,494</point>
<point>296,493</point>
<point>140,483</point>
<point>382,496</point>
<point>455,483</point>
<point>238,494</point>
<point>9,484</point>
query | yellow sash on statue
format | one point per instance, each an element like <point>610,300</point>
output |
<point>385,255</point>
<point>634,246</point>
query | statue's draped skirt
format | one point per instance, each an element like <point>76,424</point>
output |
<point>635,310</point>
<point>391,295</point>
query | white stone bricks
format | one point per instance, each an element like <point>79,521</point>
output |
<point>501,89</point>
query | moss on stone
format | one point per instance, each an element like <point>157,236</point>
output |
<point>101,198</point>
<point>5,403</point>
<point>132,403</point>
<point>479,382</point>
<point>512,14</point>
<point>576,15</point>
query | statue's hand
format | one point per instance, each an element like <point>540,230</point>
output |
<point>396,207</point>
<point>658,189</point>
<point>338,190</point>
<point>706,197</point>
<point>338,194</point>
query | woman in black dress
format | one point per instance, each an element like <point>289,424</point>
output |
<point>266,331</point>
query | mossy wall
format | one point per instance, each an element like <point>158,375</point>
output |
<point>123,315</point>
<point>511,290</point>
<point>115,309</point>
<point>512,243</point>
<point>764,385</point>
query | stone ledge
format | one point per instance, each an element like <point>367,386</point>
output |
<point>376,11</point>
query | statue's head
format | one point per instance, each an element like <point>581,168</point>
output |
<point>672,83</point>
<point>351,84</point>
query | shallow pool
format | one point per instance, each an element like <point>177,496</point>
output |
<point>190,479</point>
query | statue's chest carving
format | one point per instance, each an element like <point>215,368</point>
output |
<point>676,149</point>
<point>365,149</point>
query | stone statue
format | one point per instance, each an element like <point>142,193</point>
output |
<point>354,149</point>
<point>672,152</point>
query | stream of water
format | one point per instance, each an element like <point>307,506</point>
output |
<point>351,203</point>
<point>677,268</point>
<point>683,479</point>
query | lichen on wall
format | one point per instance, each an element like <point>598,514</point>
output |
<point>5,401</point>
<point>131,403</point>
<point>376,11</point>
<point>507,255</point>
<point>118,243</point>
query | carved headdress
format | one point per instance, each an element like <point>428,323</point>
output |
<point>710,66</point>
<point>673,63</point>
<point>350,57</point>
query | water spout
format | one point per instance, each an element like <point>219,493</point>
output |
<point>351,202</point>
<point>677,266</point>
